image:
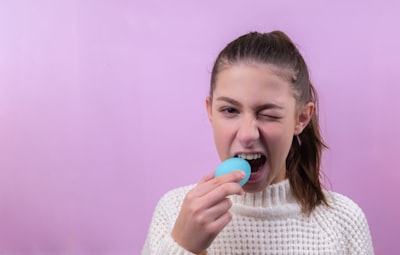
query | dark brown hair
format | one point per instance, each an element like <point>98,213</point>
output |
<point>304,159</point>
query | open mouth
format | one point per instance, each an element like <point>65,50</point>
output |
<point>256,160</point>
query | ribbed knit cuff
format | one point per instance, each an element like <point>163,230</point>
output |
<point>168,246</point>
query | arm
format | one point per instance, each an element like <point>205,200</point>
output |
<point>203,213</point>
<point>159,240</point>
<point>352,226</point>
<point>360,241</point>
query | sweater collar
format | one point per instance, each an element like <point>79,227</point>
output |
<point>274,200</point>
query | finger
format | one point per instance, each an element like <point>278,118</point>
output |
<point>219,209</point>
<point>234,176</point>
<point>204,187</point>
<point>220,192</point>
<point>199,190</point>
<point>216,226</point>
<point>213,183</point>
<point>207,178</point>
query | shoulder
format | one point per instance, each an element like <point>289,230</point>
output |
<point>346,220</point>
<point>342,212</point>
<point>344,208</point>
<point>173,199</point>
<point>169,205</point>
<point>177,193</point>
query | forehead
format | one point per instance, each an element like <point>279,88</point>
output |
<point>285,72</point>
<point>253,81</point>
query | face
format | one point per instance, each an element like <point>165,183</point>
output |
<point>254,115</point>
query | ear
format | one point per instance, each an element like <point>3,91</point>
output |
<point>304,116</point>
<point>209,106</point>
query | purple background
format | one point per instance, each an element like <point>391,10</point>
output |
<point>102,111</point>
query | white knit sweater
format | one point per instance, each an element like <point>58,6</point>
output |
<point>270,222</point>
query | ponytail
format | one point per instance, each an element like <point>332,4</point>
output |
<point>303,164</point>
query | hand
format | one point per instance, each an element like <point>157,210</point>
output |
<point>205,211</point>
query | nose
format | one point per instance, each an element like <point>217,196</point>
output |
<point>248,132</point>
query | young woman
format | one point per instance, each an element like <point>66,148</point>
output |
<point>263,108</point>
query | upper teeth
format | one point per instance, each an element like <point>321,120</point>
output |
<point>249,156</point>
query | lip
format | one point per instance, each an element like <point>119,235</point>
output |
<point>257,175</point>
<point>248,152</point>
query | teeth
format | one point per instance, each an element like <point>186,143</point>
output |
<point>250,156</point>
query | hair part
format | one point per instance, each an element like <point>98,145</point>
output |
<point>277,50</point>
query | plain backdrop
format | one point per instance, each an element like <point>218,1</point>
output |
<point>102,110</point>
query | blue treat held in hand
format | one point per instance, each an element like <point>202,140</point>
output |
<point>234,164</point>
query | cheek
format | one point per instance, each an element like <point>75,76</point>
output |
<point>222,137</point>
<point>220,131</point>
<point>278,137</point>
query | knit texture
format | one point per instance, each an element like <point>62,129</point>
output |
<point>270,222</point>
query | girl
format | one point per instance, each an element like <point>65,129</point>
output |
<point>263,108</point>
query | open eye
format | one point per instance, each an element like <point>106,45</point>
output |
<point>229,110</point>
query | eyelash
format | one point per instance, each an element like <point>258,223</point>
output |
<point>270,117</point>
<point>231,111</point>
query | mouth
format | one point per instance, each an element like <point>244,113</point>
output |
<point>256,160</point>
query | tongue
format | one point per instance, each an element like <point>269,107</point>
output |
<point>256,164</point>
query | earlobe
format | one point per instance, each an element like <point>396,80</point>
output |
<point>304,117</point>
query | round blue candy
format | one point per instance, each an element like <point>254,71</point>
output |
<point>234,164</point>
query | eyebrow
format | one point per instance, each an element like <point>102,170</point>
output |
<point>259,108</point>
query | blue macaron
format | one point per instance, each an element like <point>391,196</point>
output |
<point>233,164</point>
